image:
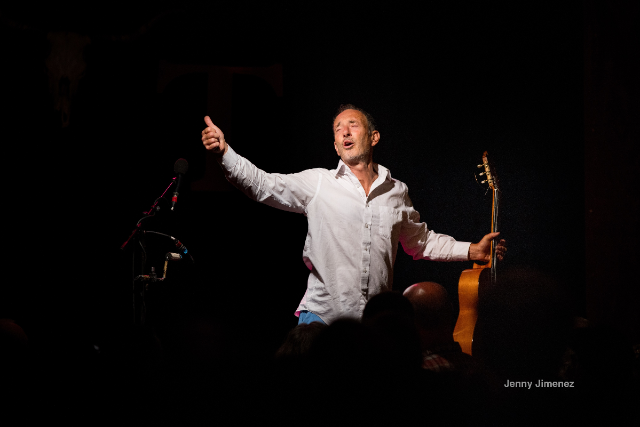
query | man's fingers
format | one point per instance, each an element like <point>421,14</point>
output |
<point>209,131</point>
<point>213,146</point>
<point>211,134</point>
<point>501,249</point>
<point>209,141</point>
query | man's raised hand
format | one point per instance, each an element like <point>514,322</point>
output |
<point>213,138</point>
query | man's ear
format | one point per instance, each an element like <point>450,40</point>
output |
<point>375,137</point>
<point>335,145</point>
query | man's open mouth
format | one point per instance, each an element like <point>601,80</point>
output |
<point>347,144</point>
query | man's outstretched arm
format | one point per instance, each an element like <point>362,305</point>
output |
<point>290,192</point>
<point>421,243</point>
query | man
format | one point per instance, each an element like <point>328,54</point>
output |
<point>357,214</point>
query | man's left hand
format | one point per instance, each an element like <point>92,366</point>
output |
<point>481,251</point>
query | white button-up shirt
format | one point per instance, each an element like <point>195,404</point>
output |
<point>352,238</point>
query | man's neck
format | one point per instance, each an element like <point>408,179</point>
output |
<point>366,172</point>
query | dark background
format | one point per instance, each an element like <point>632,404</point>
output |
<point>445,83</point>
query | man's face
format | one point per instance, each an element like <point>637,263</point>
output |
<point>351,137</point>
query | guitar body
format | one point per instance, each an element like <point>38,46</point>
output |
<point>469,287</point>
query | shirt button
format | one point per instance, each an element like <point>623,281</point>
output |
<point>366,226</point>
<point>365,270</point>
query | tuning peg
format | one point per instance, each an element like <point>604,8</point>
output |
<point>481,173</point>
<point>479,166</point>
<point>482,182</point>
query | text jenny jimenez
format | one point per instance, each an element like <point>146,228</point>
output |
<point>541,384</point>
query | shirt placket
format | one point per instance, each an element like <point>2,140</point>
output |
<point>366,243</point>
<point>366,253</point>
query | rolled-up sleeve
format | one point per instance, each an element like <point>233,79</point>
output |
<point>421,243</point>
<point>289,192</point>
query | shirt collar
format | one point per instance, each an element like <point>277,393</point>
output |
<point>382,171</point>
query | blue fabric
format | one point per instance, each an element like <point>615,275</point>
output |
<point>308,317</point>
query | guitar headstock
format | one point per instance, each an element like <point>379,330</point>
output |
<point>488,176</point>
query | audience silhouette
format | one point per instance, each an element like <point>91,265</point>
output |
<point>397,364</point>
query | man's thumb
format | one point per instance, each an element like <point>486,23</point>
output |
<point>208,121</point>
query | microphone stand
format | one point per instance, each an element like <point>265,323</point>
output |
<point>140,280</point>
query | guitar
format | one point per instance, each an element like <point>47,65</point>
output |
<point>473,280</point>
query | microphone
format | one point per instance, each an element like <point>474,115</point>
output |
<point>182,248</point>
<point>181,167</point>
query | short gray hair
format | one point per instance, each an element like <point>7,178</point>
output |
<point>371,123</point>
